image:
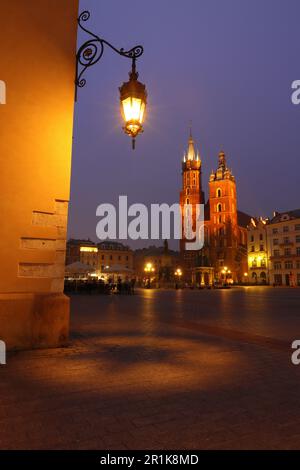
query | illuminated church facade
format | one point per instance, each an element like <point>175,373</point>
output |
<point>224,255</point>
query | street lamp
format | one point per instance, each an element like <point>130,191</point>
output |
<point>148,270</point>
<point>225,272</point>
<point>133,94</point>
<point>133,97</point>
<point>178,273</point>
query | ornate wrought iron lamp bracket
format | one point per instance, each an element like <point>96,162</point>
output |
<point>92,50</point>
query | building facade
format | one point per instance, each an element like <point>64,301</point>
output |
<point>283,235</point>
<point>75,249</point>
<point>274,249</point>
<point>225,228</point>
<point>163,261</point>
<point>258,257</point>
<point>107,257</point>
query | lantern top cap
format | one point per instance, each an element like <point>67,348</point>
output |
<point>133,87</point>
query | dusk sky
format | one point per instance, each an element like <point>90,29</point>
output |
<point>225,65</point>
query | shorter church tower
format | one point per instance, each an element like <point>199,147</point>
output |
<point>224,230</point>
<point>191,193</point>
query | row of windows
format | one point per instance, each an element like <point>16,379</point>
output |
<point>194,181</point>
<point>261,248</point>
<point>252,238</point>
<point>286,240</point>
<point>262,275</point>
<point>287,252</point>
<point>276,240</point>
<point>285,229</point>
<point>107,257</point>
<point>111,257</point>
<point>255,264</point>
<point>287,265</point>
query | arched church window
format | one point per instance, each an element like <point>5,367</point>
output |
<point>219,207</point>
<point>219,192</point>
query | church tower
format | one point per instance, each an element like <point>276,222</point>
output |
<point>224,231</point>
<point>191,193</point>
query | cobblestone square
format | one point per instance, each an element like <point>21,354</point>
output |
<point>161,370</point>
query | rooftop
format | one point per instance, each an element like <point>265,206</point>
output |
<point>285,216</point>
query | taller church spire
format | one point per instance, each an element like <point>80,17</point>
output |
<point>191,153</point>
<point>191,192</point>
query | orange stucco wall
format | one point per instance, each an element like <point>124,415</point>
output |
<point>37,48</point>
<point>37,64</point>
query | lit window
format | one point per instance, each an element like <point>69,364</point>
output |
<point>88,249</point>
